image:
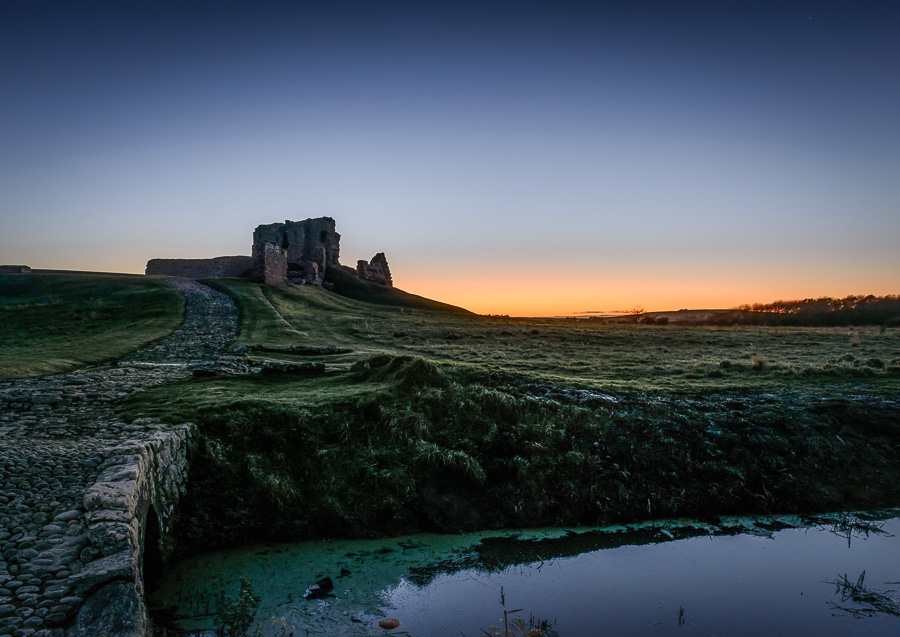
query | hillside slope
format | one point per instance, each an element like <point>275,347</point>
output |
<point>56,321</point>
<point>352,287</point>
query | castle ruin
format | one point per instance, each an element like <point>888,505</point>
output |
<point>293,252</point>
<point>376,271</point>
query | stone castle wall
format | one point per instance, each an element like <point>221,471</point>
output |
<point>201,268</point>
<point>376,271</point>
<point>269,264</point>
<point>307,247</point>
<point>297,252</point>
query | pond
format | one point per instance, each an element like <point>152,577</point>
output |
<point>784,575</point>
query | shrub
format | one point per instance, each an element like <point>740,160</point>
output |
<point>235,615</point>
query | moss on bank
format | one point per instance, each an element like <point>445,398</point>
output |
<point>396,445</point>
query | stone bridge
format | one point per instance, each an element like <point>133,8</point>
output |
<point>87,501</point>
<point>129,512</point>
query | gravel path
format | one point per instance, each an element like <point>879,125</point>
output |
<point>57,434</point>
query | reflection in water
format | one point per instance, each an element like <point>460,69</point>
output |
<point>740,577</point>
<point>848,525</point>
<point>866,602</point>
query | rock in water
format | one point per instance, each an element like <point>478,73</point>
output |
<point>389,624</point>
<point>320,589</point>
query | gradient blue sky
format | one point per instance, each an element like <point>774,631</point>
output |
<point>517,157</point>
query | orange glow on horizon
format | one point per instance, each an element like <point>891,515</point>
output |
<point>545,296</point>
<point>503,289</point>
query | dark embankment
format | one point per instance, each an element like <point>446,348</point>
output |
<point>352,287</point>
<point>399,447</point>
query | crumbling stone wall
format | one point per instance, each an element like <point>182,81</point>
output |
<point>201,268</point>
<point>308,247</point>
<point>269,264</point>
<point>291,252</point>
<point>376,271</point>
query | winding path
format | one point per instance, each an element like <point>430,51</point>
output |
<point>62,444</point>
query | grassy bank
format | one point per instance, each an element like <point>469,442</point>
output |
<point>421,418</point>
<point>395,445</point>
<point>614,358</point>
<point>56,322</point>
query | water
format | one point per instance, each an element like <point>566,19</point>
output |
<point>744,577</point>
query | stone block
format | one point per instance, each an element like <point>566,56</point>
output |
<point>116,609</point>
<point>119,566</point>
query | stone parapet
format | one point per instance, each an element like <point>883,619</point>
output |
<point>129,513</point>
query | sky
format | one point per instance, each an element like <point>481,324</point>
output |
<point>523,158</point>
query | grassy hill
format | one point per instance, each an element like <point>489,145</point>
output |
<point>353,287</point>
<point>52,322</point>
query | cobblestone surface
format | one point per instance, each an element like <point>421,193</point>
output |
<point>56,435</point>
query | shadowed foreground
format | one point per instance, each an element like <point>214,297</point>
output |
<point>363,418</point>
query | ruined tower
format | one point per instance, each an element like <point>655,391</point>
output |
<point>376,270</point>
<point>295,251</point>
<point>291,252</point>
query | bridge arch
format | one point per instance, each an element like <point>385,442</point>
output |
<point>130,512</point>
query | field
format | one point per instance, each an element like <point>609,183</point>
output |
<point>55,322</point>
<point>393,418</point>
<point>610,358</point>
<point>378,412</point>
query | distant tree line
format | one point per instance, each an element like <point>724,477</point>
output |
<point>820,312</point>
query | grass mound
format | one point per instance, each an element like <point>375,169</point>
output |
<point>403,371</point>
<point>56,322</point>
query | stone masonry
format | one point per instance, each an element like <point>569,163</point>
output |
<point>308,247</point>
<point>376,271</point>
<point>200,268</point>
<point>297,252</point>
<point>87,500</point>
<point>269,264</point>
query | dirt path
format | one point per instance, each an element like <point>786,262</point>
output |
<point>57,434</point>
